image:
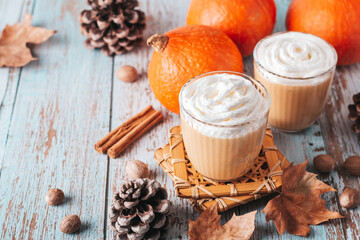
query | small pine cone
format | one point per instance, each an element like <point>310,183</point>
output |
<point>354,114</point>
<point>114,26</point>
<point>140,210</point>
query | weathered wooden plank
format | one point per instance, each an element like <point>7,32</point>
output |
<point>281,9</point>
<point>4,81</point>
<point>11,12</point>
<point>339,139</point>
<point>61,109</point>
<point>6,106</point>
<point>130,98</point>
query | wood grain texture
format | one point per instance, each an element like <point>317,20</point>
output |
<point>340,140</point>
<point>11,12</point>
<point>8,17</point>
<point>55,109</point>
<point>58,114</point>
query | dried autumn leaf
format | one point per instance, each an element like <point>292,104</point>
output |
<point>13,49</point>
<point>299,205</point>
<point>207,226</point>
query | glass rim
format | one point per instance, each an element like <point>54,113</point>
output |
<point>302,79</point>
<point>246,77</point>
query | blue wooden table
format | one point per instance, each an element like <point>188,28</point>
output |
<point>54,109</point>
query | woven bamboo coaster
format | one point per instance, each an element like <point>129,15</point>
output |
<point>263,179</point>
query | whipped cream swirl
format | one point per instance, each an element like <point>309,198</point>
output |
<point>295,54</point>
<point>222,99</point>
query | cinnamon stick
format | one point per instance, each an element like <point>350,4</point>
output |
<point>122,136</point>
<point>110,139</point>
<point>135,133</point>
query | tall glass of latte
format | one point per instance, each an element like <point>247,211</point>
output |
<point>297,69</point>
<point>223,122</point>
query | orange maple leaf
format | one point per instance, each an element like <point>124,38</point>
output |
<point>13,49</point>
<point>299,205</point>
<point>207,226</point>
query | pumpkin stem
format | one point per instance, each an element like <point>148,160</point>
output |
<point>158,42</point>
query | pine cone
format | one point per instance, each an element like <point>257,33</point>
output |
<point>354,114</point>
<point>115,26</point>
<point>140,210</point>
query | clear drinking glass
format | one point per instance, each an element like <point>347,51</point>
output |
<point>296,103</point>
<point>221,152</point>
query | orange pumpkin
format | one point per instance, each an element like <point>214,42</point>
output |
<point>184,53</point>
<point>244,21</point>
<point>336,21</point>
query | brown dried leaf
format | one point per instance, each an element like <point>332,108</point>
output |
<point>13,50</point>
<point>240,227</point>
<point>207,226</point>
<point>299,205</point>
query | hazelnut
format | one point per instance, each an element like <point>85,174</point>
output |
<point>352,165</point>
<point>70,224</point>
<point>324,163</point>
<point>349,198</point>
<point>127,73</point>
<point>137,169</point>
<point>54,196</point>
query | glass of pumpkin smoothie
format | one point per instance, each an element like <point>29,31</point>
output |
<point>297,69</point>
<point>223,122</point>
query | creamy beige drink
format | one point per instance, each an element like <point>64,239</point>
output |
<point>223,122</point>
<point>297,69</point>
